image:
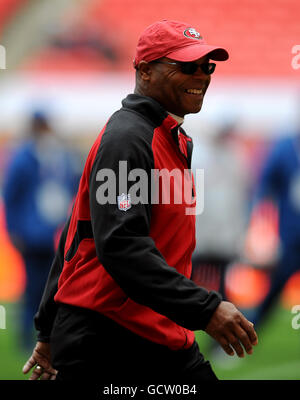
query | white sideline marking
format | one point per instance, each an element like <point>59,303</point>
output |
<point>2,317</point>
<point>276,370</point>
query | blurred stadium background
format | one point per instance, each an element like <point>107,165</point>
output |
<point>73,58</point>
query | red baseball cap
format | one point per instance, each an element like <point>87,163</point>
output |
<point>176,40</point>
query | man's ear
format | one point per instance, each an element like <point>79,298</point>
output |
<point>144,70</point>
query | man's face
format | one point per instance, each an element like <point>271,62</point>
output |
<point>177,92</point>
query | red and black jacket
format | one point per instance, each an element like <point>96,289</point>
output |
<point>132,266</point>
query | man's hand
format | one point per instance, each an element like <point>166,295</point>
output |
<point>40,359</point>
<point>231,329</point>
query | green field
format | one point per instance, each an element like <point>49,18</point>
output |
<point>12,357</point>
<point>276,357</point>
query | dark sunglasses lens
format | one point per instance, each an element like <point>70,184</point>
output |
<point>208,68</point>
<point>189,68</point>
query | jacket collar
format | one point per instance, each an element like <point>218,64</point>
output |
<point>179,120</point>
<point>147,107</point>
<point>154,112</point>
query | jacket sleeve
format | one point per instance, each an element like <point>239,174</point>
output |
<point>45,316</point>
<point>124,246</point>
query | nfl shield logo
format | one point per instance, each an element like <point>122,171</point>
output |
<point>124,202</point>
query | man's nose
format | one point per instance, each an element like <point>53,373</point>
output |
<point>199,75</point>
<point>200,72</point>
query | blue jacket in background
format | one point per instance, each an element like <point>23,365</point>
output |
<point>40,183</point>
<point>280,180</point>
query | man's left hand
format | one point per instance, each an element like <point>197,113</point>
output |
<point>40,359</point>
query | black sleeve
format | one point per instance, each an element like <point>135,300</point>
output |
<point>45,316</point>
<point>125,248</point>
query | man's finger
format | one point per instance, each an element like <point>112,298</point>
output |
<point>37,372</point>
<point>46,376</point>
<point>28,365</point>
<point>49,369</point>
<point>49,375</point>
<point>244,338</point>
<point>53,377</point>
<point>41,361</point>
<point>249,328</point>
<point>235,344</point>
<point>225,345</point>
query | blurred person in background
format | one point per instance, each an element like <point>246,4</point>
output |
<point>39,184</point>
<point>279,182</point>
<point>221,226</point>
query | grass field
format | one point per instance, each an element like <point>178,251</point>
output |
<point>276,357</point>
<point>12,357</point>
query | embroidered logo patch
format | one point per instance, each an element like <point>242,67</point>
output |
<point>124,202</point>
<point>191,33</point>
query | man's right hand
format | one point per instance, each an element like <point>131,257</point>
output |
<point>231,329</point>
<point>40,359</point>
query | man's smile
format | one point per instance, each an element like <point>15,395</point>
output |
<point>195,91</point>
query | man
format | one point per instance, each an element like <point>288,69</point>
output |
<point>279,182</point>
<point>39,184</point>
<point>119,299</point>
<point>221,226</point>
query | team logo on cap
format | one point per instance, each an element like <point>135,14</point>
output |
<point>124,202</point>
<point>191,33</point>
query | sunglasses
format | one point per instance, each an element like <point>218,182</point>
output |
<point>189,68</point>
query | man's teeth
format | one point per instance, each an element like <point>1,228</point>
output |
<point>194,91</point>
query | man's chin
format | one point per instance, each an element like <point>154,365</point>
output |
<point>194,110</point>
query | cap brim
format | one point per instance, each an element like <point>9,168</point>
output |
<point>196,51</point>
